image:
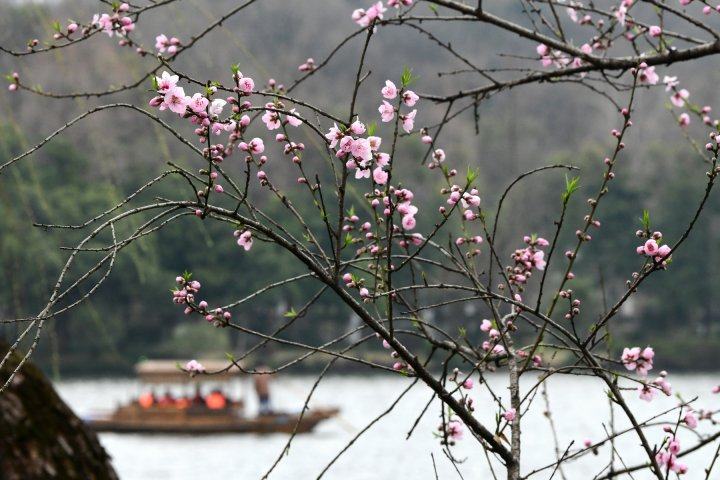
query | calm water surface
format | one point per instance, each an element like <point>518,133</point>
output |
<point>579,409</point>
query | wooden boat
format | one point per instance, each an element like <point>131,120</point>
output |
<point>196,418</point>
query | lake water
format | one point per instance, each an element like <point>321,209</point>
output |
<point>579,409</point>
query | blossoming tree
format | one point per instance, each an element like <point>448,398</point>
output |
<point>387,261</point>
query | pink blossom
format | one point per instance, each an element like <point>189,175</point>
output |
<point>194,367</point>
<point>455,430</point>
<point>246,84</point>
<point>294,121</point>
<point>166,82</point>
<point>357,127</point>
<point>655,31</point>
<point>620,14</point>
<point>509,415</point>
<point>684,120</point>
<point>678,98</point>
<point>387,111</point>
<point>646,392</point>
<point>198,103</point>
<point>380,176</point>
<point>690,420</point>
<point>389,91</point>
<point>648,75</point>
<point>670,82</point>
<point>410,98</point>
<point>636,359</point>
<point>256,146</point>
<point>408,222</point>
<point>360,148</point>
<point>245,240</point>
<point>176,100</point>
<point>408,121</point>
<point>334,135</point>
<point>486,325</point>
<point>216,107</point>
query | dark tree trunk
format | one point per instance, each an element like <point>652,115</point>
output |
<point>40,437</point>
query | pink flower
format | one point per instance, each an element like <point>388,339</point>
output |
<point>387,111</point>
<point>640,360</point>
<point>650,248</point>
<point>389,91</point>
<point>620,14</point>
<point>410,98</point>
<point>357,127</point>
<point>256,146</point>
<point>194,367</point>
<point>684,120</point>
<point>161,43</point>
<point>408,222</point>
<point>509,415</point>
<point>198,103</point>
<point>468,384</point>
<point>271,119</point>
<point>176,100</point>
<point>294,121</point>
<point>334,135</point>
<point>655,31</point>
<point>246,84</point>
<point>166,82</point>
<point>646,392</point>
<point>455,430</point>
<point>678,98</point>
<point>380,176</point>
<point>542,50</point>
<point>586,49</point>
<point>648,75</point>
<point>245,240</point>
<point>408,121</point>
<point>486,325</point>
<point>360,148</point>
<point>690,420</point>
<point>670,82</point>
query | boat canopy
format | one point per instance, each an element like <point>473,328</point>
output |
<point>169,371</point>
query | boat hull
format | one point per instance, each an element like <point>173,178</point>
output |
<point>205,425</point>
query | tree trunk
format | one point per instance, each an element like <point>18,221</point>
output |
<point>40,437</point>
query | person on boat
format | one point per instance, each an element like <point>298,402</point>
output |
<point>147,400</point>
<point>167,400</point>
<point>198,399</point>
<point>216,400</point>
<point>182,403</point>
<point>262,388</point>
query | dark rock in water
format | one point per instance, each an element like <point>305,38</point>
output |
<point>40,437</point>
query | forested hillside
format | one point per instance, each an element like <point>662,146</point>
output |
<point>93,168</point>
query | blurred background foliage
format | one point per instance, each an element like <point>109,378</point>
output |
<point>101,160</point>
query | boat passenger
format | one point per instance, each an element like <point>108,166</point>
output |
<point>167,400</point>
<point>262,388</point>
<point>216,400</point>
<point>146,400</point>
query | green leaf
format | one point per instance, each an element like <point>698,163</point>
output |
<point>407,77</point>
<point>235,68</point>
<point>348,240</point>
<point>645,220</point>
<point>291,314</point>
<point>154,81</point>
<point>434,9</point>
<point>571,186</point>
<point>372,126</point>
<point>471,176</point>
